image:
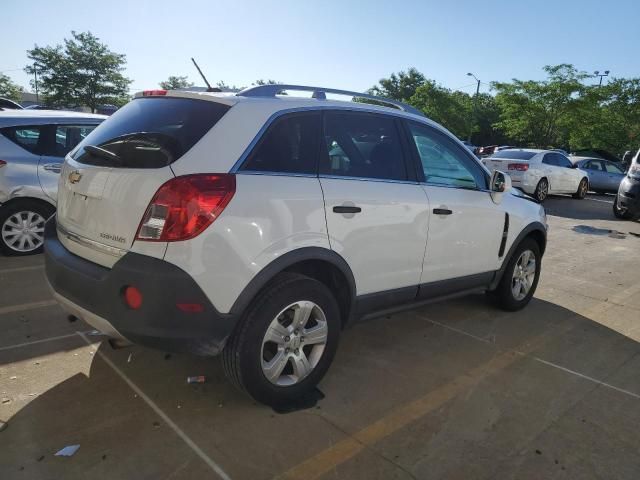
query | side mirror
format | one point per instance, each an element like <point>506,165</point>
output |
<point>500,183</point>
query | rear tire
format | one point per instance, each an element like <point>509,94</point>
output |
<point>22,226</point>
<point>542,190</point>
<point>259,340</point>
<point>518,272</point>
<point>620,213</point>
<point>583,187</point>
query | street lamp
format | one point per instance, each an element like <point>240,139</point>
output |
<point>598,74</point>
<point>475,104</point>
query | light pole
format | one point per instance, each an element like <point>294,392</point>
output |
<point>475,103</point>
<point>598,74</point>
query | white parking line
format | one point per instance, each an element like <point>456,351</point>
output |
<point>538,359</point>
<point>198,451</point>
<point>42,340</point>
<point>599,200</point>
<point>27,306</point>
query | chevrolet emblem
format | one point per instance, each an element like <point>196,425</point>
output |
<point>75,176</point>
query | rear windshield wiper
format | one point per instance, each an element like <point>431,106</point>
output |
<point>103,153</point>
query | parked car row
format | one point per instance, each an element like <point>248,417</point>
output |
<point>627,202</point>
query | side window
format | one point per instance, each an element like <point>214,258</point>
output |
<point>67,137</point>
<point>563,161</point>
<point>550,159</point>
<point>443,161</point>
<point>29,138</point>
<point>290,145</point>
<point>362,145</point>
<point>611,168</point>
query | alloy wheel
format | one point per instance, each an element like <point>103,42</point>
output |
<point>543,190</point>
<point>294,343</point>
<point>524,273</point>
<point>24,231</point>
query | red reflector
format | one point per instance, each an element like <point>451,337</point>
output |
<point>190,307</point>
<point>153,93</point>
<point>185,206</point>
<point>521,167</point>
<point>132,297</point>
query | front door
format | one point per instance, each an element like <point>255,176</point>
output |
<point>377,217</point>
<point>466,226</point>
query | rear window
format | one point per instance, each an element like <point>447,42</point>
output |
<point>149,132</point>
<point>514,154</point>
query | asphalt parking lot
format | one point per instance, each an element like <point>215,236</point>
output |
<point>453,390</point>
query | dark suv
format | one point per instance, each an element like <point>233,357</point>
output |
<point>627,202</point>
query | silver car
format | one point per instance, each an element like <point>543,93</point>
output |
<point>604,176</point>
<point>33,144</point>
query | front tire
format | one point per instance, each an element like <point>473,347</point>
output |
<point>620,212</point>
<point>22,227</point>
<point>582,189</point>
<point>542,190</point>
<point>286,341</point>
<point>520,278</point>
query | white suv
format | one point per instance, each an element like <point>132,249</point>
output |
<point>540,172</point>
<point>259,225</point>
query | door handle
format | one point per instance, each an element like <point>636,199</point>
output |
<point>52,167</point>
<point>442,211</point>
<point>346,209</point>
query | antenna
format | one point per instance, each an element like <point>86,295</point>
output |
<point>209,87</point>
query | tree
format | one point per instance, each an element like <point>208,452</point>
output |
<point>538,113</point>
<point>8,89</point>
<point>451,109</point>
<point>401,86</point>
<point>175,82</point>
<point>83,72</point>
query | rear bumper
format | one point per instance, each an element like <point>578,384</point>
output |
<point>629,195</point>
<point>94,293</point>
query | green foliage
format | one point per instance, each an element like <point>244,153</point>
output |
<point>401,86</point>
<point>8,89</point>
<point>83,72</point>
<point>175,82</point>
<point>539,112</point>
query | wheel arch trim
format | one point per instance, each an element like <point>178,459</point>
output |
<point>525,232</point>
<point>264,276</point>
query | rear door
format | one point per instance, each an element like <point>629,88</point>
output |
<point>598,179</point>
<point>107,182</point>
<point>466,226</point>
<point>377,213</point>
<point>569,175</point>
<point>61,139</point>
<point>614,176</point>
<point>553,172</point>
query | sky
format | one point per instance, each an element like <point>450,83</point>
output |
<point>340,44</point>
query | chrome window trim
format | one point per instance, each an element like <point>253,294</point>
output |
<point>473,189</point>
<point>368,179</point>
<point>92,244</point>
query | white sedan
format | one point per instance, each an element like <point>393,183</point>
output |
<point>540,172</point>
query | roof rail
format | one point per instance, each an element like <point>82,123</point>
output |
<point>319,93</point>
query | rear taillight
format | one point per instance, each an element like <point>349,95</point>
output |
<point>520,167</point>
<point>153,93</point>
<point>2,163</point>
<point>184,206</point>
